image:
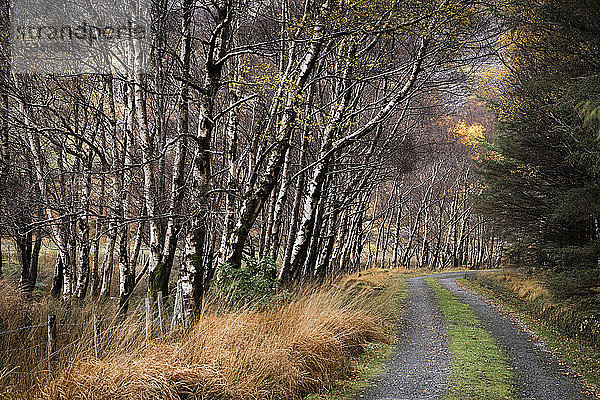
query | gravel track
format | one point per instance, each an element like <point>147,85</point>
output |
<point>419,368</point>
<point>420,365</point>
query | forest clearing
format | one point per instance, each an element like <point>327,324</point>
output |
<point>290,199</point>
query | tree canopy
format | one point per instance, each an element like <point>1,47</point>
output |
<point>540,173</point>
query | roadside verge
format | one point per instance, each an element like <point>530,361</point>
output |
<point>583,359</point>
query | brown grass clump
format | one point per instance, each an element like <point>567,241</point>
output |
<point>524,288</point>
<point>571,316</point>
<point>23,333</point>
<point>375,278</point>
<point>13,307</point>
<point>286,352</point>
<point>17,340</point>
<point>531,291</point>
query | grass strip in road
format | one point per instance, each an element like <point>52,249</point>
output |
<point>479,368</point>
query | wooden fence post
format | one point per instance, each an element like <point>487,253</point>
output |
<point>161,313</point>
<point>178,313</point>
<point>51,348</point>
<point>98,336</point>
<point>148,318</point>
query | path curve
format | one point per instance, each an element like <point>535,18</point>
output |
<point>420,365</point>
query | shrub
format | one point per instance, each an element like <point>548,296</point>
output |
<point>253,285</point>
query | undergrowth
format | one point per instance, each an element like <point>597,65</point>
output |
<point>568,302</point>
<point>253,286</point>
<point>301,345</point>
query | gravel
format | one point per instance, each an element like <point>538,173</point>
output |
<point>419,367</point>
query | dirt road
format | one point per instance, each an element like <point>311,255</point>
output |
<point>421,364</point>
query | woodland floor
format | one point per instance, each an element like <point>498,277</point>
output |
<point>421,365</point>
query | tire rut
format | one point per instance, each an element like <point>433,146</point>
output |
<point>420,365</point>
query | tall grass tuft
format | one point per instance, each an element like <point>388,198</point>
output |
<point>298,346</point>
<point>23,335</point>
<point>573,314</point>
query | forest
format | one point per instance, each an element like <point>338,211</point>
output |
<point>249,136</point>
<point>241,152</point>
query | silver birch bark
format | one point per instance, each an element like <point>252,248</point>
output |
<point>63,260</point>
<point>232,171</point>
<point>116,199</point>
<point>125,177</point>
<point>183,129</point>
<point>148,160</point>
<point>95,279</point>
<point>83,266</point>
<point>330,146</point>
<point>275,232</point>
<point>192,272</point>
<point>260,191</point>
<point>295,214</point>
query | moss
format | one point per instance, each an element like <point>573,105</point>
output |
<point>479,368</point>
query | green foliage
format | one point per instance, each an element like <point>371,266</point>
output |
<point>578,289</point>
<point>253,285</point>
<point>590,111</point>
<point>540,187</point>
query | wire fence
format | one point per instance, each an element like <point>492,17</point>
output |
<point>22,328</point>
<point>46,345</point>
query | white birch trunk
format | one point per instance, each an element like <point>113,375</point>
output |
<point>260,192</point>
<point>57,231</point>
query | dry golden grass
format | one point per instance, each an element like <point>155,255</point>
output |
<point>525,288</point>
<point>13,309</point>
<point>286,352</point>
<point>530,291</point>
<point>23,332</point>
<point>380,277</point>
<point>572,316</point>
<point>375,277</point>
